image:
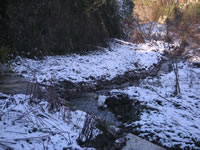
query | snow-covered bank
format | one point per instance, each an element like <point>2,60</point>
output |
<point>174,120</point>
<point>121,57</point>
<point>32,126</point>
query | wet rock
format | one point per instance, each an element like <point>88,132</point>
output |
<point>197,143</point>
<point>2,96</point>
<point>120,140</point>
<point>196,64</point>
<point>119,143</point>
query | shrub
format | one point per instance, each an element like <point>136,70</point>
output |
<point>92,6</point>
<point>154,10</point>
<point>5,54</point>
<point>192,13</point>
<point>59,27</point>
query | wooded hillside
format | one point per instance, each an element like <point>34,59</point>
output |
<point>57,26</point>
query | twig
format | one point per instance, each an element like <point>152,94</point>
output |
<point>161,95</point>
<point>37,137</point>
<point>16,132</point>
<point>24,114</point>
<point>6,112</point>
<point>7,142</point>
<point>8,147</point>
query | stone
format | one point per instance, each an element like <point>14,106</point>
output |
<point>136,143</point>
<point>119,143</point>
<point>2,96</point>
<point>120,140</point>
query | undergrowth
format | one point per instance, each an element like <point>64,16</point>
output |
<point>6,54</point>
<point>159,10</point>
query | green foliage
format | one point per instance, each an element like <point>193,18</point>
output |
<point>46,27</point>
<point>5,54</point>
<point>92,6</point>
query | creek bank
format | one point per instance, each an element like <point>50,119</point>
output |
<point>174,123</point>
<point>114,134</point>
<point>78,95</point>
<point>130,78</point>
<point>88,100</point>
<point>119,108</point>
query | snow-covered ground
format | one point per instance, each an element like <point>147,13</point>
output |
<point>174,120</point>
<point>153,29</point>
<point>33,127</point>
<point>121,57</point>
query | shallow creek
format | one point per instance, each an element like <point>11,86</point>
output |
<point>11,83</point>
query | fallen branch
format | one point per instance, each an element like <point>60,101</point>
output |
<point>39,137</point>
<point>7,142</point>
<point>28,138</point>
<point>15,132</point>
<point>162,96</point>
<point>24,114</point>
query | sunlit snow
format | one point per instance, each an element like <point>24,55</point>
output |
<point>119,58</point>
<point>174,120</point>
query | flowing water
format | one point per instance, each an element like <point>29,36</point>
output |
<point>11,83</point>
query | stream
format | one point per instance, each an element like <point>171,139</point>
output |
<point>11,83</point>
<point>119,108</point>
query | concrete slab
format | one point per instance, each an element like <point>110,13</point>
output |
<point>136,143</point>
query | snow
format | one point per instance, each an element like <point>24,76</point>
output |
<point>121,57</point>
<point>101,101</point>
<point>125,8</point>
<point>174,120</point>
<point>154,29</point>
<point>30,126</point>
<point>171,121</point>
